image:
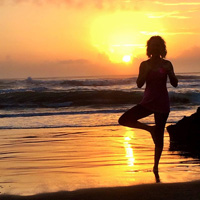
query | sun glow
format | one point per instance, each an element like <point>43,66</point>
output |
<point>121,35</point>
<point>127,58</point>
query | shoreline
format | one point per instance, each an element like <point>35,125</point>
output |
<point>179,191</point>
<point>49,160</point>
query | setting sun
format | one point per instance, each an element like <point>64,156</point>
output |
<point>122,35</point>
<point>75,78</point>
<point>127,58</point>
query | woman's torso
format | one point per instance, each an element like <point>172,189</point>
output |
<point>156,96</point>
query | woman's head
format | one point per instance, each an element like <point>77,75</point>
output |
<point>156,47</point>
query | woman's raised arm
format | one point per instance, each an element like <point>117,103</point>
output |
<point>143,71</point>
<point>172,77</point>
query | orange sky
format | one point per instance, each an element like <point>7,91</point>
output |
<point>60,38</point>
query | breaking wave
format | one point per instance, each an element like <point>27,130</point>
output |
<point>54,99</point>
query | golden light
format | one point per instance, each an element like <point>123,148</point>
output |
<point>126,58</point>
<point>122,34</point>
<point>128,148</point>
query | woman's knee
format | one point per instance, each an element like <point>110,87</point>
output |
<point>126,121</point>
<point>122,120</point>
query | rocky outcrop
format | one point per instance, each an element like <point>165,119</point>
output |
<point>185,134</point>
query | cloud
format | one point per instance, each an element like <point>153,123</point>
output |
<point>74,62</point>
<point>170,33</point>
<point>178,3</point>
<point>133,5</point>
<point>193,52</point>
<point>188,60</point>
<point>2,2</point>
<point>99,4</point>
<point>178,13</point>
<point>174,14</point>
<point>11,68</point>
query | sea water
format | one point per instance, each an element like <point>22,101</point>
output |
<point>63,134</point>
<point>79,102</point>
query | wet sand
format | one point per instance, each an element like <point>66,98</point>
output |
<point>39,161</point>
<point>178,191</point>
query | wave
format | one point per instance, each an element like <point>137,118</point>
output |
<point>69,126</point>
<point>35,89</point>
<point>81,82</point>
<point>192,77</point>
<point>29,82</point>
<point>110,111</point>
<point>185,98</point>
<point>70,98</point>
<point>70,82</point>
<point>102,82</point>
<point>56,99</point>
<point>54,126</point>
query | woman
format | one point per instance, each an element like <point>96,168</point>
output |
<point>154,73</point>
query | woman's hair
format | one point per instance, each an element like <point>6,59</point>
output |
<point>163,50</point>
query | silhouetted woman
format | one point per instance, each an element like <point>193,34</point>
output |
<point>154,73</point>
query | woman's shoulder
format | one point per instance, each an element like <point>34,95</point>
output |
<point>145,62</point>
<point>166,62</point>
<point>167,65</point>
<point>144,65</point>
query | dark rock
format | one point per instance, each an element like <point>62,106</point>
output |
<point>185,134</point>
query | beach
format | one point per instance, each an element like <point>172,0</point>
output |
<point>68,159</point>
<point>179,191</point>
<point>63,135</point>
<point>69,70</point>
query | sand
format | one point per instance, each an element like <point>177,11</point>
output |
<point>178,191</point>
<point>113,159</point>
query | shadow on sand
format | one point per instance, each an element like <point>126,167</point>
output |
<point>165,191</point>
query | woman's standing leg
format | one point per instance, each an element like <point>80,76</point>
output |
<point>160,121</point>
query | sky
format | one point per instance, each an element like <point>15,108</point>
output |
<point>62,38</point>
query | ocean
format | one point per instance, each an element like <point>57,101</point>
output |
<point>84,101</point>
<point>62,134</point>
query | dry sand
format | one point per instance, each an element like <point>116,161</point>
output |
<point>162,191</point>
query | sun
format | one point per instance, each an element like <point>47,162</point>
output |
<point>126,58</point>
<point>122,34</point>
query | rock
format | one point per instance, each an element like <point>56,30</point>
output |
<point>185,134</point>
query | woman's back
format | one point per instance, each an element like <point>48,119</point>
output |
<point>156,95</point>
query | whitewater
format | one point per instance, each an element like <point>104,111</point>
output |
<point>76,101</point>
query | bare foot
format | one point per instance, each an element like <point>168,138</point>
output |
<point>157,177</point>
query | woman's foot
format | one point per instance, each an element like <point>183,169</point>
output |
<point>157,177</point>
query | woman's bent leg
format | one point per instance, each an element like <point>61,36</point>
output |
<point>130,118</point>
<point>160,121</point>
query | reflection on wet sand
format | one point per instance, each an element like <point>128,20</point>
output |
<point>48,160</point>
<point>129,135</point>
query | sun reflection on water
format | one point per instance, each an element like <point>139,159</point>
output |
<point>129,135</point>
